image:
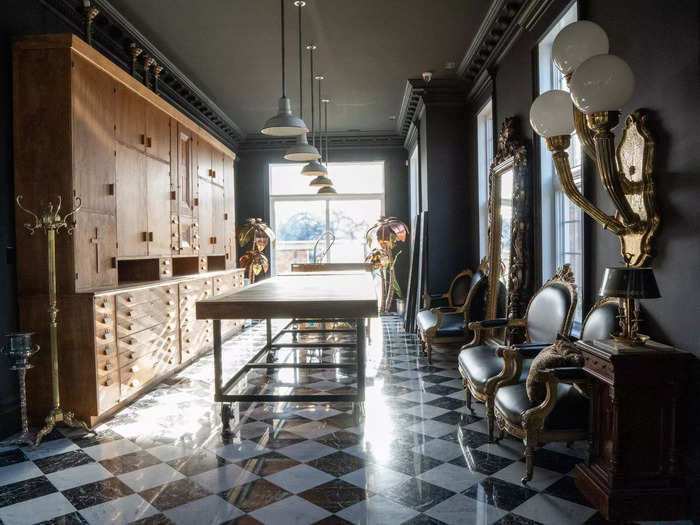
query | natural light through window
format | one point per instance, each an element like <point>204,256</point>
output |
<point>300,216</point>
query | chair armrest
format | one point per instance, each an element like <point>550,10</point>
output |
<point>529,351</point>
<point>490,323</point>
<point>569,373</point>
<point>434,300</point>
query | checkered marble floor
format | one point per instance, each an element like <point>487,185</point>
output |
<point>418,457</point>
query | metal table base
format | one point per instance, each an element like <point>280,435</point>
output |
<point>222,389</point>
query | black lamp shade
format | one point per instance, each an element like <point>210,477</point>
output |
<point>633,283</point>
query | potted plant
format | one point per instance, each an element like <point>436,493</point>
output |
<point>258,234</point>
<point>382,238</point>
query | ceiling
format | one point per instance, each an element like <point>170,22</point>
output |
<point>366,50</point>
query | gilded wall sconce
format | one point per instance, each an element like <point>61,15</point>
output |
<point>600,84</point>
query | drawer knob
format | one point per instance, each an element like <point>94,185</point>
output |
<point>106,334</point>
<point>169,291</point>
<point>108,365</point>
<point>134,369</point>
<point>131,313</point>
<point>130,299</point>
<point>131,355</point>
<point>132,326</point>
<point>135,383</point>
<point>108,381</point>
<point>170,303</point>
<point>107,319</point>
<point>187,287</point>
<point>108,350</point>
<point>104,304</point>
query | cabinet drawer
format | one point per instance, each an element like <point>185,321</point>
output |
<point>167,351</point>
<point>108,349</point>
<point>108,392</point>
<point>223,284</point>
<point>135,375</point>
<point>598,365</point>
<point>165,268</point>
<point>192,291</point>
<point>145,316</point>
<point>152,338</point>
<point>104,305</point>
<point>106,365</point>
<point>127,300</point>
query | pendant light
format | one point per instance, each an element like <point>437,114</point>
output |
<point>323,181</point>
<point>284,124</point>
<point>302,150</point>
<point>315,167</point>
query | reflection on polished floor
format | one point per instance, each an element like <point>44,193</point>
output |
<point>418,457</point>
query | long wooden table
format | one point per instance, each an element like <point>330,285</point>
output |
<point>317,297</point>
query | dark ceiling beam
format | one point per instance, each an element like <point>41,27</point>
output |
<point>112,35</point>
<point>259,142</point>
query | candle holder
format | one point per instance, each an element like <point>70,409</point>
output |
<point>51,222</point>
<point>18,350</point>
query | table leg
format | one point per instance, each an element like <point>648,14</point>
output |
<point>358,406</point>
<point>225,407</point>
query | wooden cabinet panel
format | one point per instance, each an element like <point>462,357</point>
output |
<point>203,159</point>
<point>158,194</point>
<point>157,133</point>
<point>218,228</point>
<point>130,125</point>
<point>95,239</point>
<point>230,213</point>
<point>186,172</point>
<point>132,203</point>
<point>217,167</point>
<point>92,126</point>
<point>205,217</point>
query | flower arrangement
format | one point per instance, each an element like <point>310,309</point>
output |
<point>382,238</point>
<point>258,234</point>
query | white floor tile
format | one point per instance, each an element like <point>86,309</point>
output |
<point>299,478</point>
<point>419,396</point>
<point>425,411</point>
<point>313,429</point>
<point>111,449</point>
<point>377,510</point>
<point>439,449</point>
<point>551,510</point>
<point>375,478</point>
<point>237,451</point>
<point>35,510</point>
<point>150,477</point>
<point>50,448</point>
<point>290,511</point>
<point>119,511</point>
<point>432,428</point>
<point>505,448</point>
<point>76,476</point>
<point>452,477</point>
<point>306,450</point>
<point>541,478</point>
<point>210,510</point>
<point>19,472</point>
<point>223,478</point>
<point>454,510</point>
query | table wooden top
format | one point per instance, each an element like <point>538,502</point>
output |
<point>348,295</point>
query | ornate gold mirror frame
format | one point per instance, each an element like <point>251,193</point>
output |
<point>510,157</point>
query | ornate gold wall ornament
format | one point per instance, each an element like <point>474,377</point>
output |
<point>626,175</point>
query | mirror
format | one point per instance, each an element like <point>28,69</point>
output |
<point>509,254</point>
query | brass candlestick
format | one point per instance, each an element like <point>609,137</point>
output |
<point>52,222</point>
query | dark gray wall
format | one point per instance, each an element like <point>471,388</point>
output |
<point>660,41</point>
<point>252,186</point>
<point>20,17</point>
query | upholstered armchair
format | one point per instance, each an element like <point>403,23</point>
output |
<point>549,312</point>
<point>563,413</point>
<point>447,316</point>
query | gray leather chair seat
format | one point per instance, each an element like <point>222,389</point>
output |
<point>570,410</point>
<point>480,363</point>
<point>451,324</point>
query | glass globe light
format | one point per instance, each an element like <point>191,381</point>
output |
<point>578,42</point>
<point>602,83</point>
<point>552,114</point>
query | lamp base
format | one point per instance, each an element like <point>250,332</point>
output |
<point>58,415</point>
<point>634,339</point>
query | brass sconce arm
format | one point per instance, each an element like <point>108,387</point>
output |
<point>558,145</point>
<point>602,123</point>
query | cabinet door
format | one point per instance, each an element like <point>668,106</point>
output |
<point>186,172</point>
<point>218,230</point>
<point>230,214</point>
<point>157,133</point>
<point>94,165</point>
<point>205,217</point>
<point>158,193</point>
<point>132,202</point>
<point>204,159</point>
<point>95,239</point>
<point>217,166</point>
<point>130,126</point>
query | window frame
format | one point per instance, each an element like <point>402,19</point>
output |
<point>485,139</point>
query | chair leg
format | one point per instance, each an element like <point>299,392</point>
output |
<point>430,351</point>
<point>467,395</point>
<point>490,415</point>
<point>530,442</point>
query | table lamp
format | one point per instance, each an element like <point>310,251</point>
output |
<point>629,283</point>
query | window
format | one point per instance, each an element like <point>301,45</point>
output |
<point>299,215</point>
<point>562,220</point>
<point>484,125</point>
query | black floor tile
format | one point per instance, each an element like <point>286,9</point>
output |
<point>267,464</point>
<point>442,390</point>
<point>129,462</point>
<point>448,403</point>
<point>417,494</point>
<point>339,439</point>
<point>25,490</point>
<point>95,493</point>
<point>173,494</point>
<point>514,519</point>
<point>157,519</point>
<point>200,461</point>
<point>254,495</point>
<point>555,461</point>
<point>11,457</point>
<point>335,495</point>
<point>482,462</point>
<point>74,518</point>
<point>88,440</point>
<point>74,458</point>
<point>499,493</point>
<point>337,464</point>
<point>565,488</point>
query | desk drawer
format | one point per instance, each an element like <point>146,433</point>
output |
<point>127,300</point>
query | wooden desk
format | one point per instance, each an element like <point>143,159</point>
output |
<point>318,296</point>
<point>634,469</point>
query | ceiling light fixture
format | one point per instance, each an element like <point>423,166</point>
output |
<point>302,150</point>
<point>327,183</point>
<point>284,124</point>
<point>315,168</point>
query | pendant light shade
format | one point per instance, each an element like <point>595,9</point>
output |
<point>314,168</point>
<point>326,189</point>
<point>321,181</point>
<point>302,150</point>
<point>284,124</point>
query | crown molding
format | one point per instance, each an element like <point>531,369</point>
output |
<point>503,24</point>
<point>369,140</point>
<point>112,35</point>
